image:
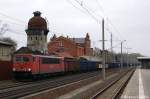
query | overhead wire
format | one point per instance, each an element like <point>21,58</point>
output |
<point>87,10</point>
<point>10,17</point>
<point>16,32</point>
<point>76,7</point>
<point>107,19</point>
<point>13,23</point>
<point>99,15</point>
<point>100,7</point>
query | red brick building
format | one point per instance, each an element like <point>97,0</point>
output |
<point>73,46</point>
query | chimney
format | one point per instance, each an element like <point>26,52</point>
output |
<point>37,13</point>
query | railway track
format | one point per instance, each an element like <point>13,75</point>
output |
<point>114,89</point>
<point>13,83</point>
<point>20,91</point>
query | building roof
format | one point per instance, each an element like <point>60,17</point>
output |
<point>143,58</point>
<point>5,43</point>
<point>26,50</point>
<point>60,37</point>
<point>78,40</point>
<point>37,22</point>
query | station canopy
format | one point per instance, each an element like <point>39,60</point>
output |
<point>143,58</point>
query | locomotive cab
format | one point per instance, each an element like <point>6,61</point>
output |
<point>22,65</point>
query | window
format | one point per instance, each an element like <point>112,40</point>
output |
<point>18,59</point>
<point>4,51</point>
<point>50,61</point>
<point>61,44</point>
<point>22,59</point>
<point>25,59</point>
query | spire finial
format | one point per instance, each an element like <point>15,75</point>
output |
<point>37,13</point>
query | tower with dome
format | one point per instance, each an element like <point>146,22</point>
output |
<point>37,32</point>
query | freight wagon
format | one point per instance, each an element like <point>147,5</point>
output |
<point>88,63</point>
<point>71,65</point>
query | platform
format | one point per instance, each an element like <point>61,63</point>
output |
<point>138,86</point>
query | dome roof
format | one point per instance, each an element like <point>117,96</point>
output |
<point>37,22</point>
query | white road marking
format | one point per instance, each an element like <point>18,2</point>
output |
<point>141,89</point>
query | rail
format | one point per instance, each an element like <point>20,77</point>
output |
<point>118,91</point>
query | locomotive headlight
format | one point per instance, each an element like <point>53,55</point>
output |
<point>14,69</point>
<point>29,69</point>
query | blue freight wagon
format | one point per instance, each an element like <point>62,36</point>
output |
<point>88,63</point>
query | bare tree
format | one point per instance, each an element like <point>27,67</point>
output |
<point>9,40</point>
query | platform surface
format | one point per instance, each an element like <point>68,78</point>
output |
<point>138,86</point>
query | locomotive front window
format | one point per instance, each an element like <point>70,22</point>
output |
<point>22,59</point>
<point>25,59</point>
<point>18,59</point>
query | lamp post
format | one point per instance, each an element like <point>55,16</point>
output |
<point>103,52</point>
<point>128,57</point>
<point>121,59</point>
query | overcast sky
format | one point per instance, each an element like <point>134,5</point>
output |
<point>131,19</point>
